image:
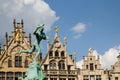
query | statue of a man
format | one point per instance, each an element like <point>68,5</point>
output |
<point>39,36</point>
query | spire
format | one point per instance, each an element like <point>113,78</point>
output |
<point>14,23</point>
<point>0,49</point>
<point>30,39</point>
<point>65,40</point>
<point>48,41</point>
<point>6,35</point>
<point>22,23</point>
<point>75,58</point>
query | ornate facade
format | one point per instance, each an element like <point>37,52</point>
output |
<point>57,64</point>
<point>91,68</point>
<point>12,64</point>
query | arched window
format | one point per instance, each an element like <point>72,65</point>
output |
<point>62,54</point>
<point>56,54</point>
<point>52,65</point>
<point>61,65</point>
<point>18,61</point>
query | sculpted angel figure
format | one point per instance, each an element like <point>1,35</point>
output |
<point>40,35</point>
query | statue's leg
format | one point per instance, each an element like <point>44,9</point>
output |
<point>38,52</point>
<point>28,51</point>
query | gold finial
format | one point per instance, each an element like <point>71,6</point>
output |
<point>75,53</point>
<point>65,38</point>
<point>56,29</point>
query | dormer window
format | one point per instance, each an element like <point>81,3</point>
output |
<point>56,54</point>
<point>62,54</point>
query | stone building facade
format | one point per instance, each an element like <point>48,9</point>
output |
<point>57,64</point>
<point>115,71</point>
<point>91,68</point>
<point>12,64</point>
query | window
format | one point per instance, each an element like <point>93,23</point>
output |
<point>18,74</point>
<point>18,61</point>
<point>62,54</point>
<point>92,77</point>
<point>91,66</point>
<point>62,79</point>
<point>90,58</point>
<point>56,54</point>
<point>61,65</point>
<point>71,78</point>
<point>52,65</point>
<point>10,76</point>
<point>69,67</point>
<point>95,66</point>
<point>45,67</point>
<point>2,75</point>
<point>26,63</point>
<point>86,66</point>
<point>24,74</point>
<point>9,63</point>
<point>98,77</point>
<point>116,78</point>
<point>85,77</point>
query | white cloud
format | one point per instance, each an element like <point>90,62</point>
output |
<point>79,64</point>
<point>33,12</point>
<point>77,36</point>
<point>78,29</point>
<point>107,59</point>
<point>29,1</point>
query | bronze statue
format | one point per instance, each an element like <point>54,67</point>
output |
<point>39,36</point>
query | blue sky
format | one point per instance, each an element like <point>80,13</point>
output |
<point>102,18</point>
<point>86,23</point>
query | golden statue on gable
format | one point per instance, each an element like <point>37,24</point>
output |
<point>18,35</point>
